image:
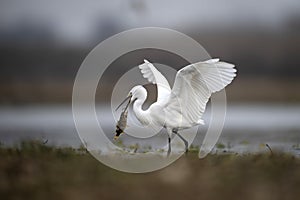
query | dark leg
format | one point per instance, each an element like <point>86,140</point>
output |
<point>184,140</point>
<point>169,149</point>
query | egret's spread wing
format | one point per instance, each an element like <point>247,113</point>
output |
<point>193,87</point>
<point>154,76</point>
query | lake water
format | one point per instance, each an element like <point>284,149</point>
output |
<point>247,128</point>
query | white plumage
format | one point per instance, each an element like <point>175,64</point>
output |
<point>182,106</point>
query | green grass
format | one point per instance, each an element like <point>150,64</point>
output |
<point>37,171</point>
<point>220,146</point>
<point>245,142</point>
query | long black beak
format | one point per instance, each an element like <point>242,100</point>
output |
<point>128,97</point>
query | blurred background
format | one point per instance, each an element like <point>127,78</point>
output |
<point>43,43</point>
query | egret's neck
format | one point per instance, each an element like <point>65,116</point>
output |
<point>141,115</point>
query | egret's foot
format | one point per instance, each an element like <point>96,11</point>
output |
<point>169,152</point>
<point>186,151</point>
<point>186,144</point>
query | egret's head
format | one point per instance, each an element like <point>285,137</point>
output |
<point>137,92</point>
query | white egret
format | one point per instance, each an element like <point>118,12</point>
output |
<point>182,106</point>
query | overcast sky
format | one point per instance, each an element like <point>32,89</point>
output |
<point>77,18</point>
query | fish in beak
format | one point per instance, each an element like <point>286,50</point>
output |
<point>122,122</point>
<point>119,131</point>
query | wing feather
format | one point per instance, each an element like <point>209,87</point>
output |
<point>154,76</point>
<point>193,87</point>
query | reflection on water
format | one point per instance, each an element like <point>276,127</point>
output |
<point>248,127</point>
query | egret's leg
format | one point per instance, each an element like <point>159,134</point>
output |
<point>184,140</point>
<point>169,132</point>
<point>169,143</point>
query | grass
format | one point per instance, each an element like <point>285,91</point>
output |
<point>220,146</point>
<point>36,171</point>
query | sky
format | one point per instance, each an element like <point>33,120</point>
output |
<point>78,19</point>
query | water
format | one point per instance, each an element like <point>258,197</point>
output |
<point>247,128</point>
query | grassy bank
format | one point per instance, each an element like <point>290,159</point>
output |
<point>36,171</point>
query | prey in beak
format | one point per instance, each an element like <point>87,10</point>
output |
<point>122,122</point>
